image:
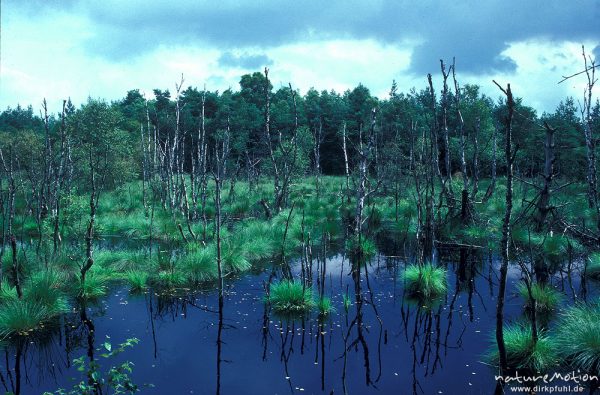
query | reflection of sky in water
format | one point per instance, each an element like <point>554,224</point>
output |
<point>444,344</point>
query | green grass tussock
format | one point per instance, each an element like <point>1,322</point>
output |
<point>425,281</point>
<point>289,297</point>
<point>547,298</point>
<point>22,316</point>
<point>138,280</point>
<point>522,353</point>
<point>324,306</point>
<point>578,338</point>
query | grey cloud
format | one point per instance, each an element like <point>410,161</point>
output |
<point>244,61</point>
<point>474,32</point>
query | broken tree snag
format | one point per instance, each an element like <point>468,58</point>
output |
<point>590,140</point>
<point>219,175</point>
<point>267,137</point>
<point>89,237</point>
<point>434,155</point>
<point>543,206</point>
<point>509,156</point>
<point>346,167</point>
<point>466,205</point>
<point>444,103</point>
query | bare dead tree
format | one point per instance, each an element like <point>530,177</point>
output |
<point>590,140</point>
<point>89,237</point>
<point>221,154</point>
<point>346,166</point>
<point>317,141</point>
<point>447,175</point>
<point>509,156</point>
<point>365,152</point>
<point>466,212</point>
<point>434,158</point>
<point>268,138</point>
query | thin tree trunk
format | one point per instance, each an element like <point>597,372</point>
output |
<point>543,203</point>
<point>89,237</point>
<point>506,231</point>
<point>346,167</point>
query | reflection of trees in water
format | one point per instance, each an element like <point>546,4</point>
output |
<point>429,326</point>
<point>48,352</point>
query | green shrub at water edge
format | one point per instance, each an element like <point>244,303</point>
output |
<point>425,281</point>
<point>289,296</point>
<point>546,297</point>
<point>578,338</point>
<point>522,353</point>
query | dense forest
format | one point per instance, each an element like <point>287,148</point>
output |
<point>190,190</point>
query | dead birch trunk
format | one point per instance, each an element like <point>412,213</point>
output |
<point>89,237</point>
<point>466,205</point>
<point>509,156</point>
<point>346,167</point>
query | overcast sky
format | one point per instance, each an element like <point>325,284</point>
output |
<point>79,48</point>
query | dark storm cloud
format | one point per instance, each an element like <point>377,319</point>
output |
<point>474,32</point>
<point>245,61</point>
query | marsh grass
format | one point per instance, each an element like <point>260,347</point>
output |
<point>96,285</point>
<point>47,288</point>
<point>138,280</point>
<point>324,306</point>
<point>22,316</point>
<point>425,282</point>
<point>288,296</point>
<point>578,338</point>
<point>522,353</point>
<point>547,298</point>
<point>198,264</point>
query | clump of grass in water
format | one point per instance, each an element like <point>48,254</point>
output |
<point>546,297</point>
<point>199,264</point>
<point>138,280</point>
<point>289,296</point>
<point>522,353</point>
<point>21,316</point>
<point>366,248</point>
<point>578,338</point>
<point>425,281</point>
<point>46,287</point>
<point>324,306</point>
<point>94,287</point>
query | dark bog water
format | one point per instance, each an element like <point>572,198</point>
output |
<point>386,344</point>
